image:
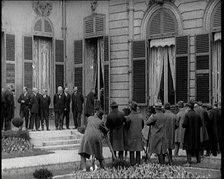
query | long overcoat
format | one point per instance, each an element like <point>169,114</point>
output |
<point>213,128</point>
<point>77,102</point>
<point>9,105</point>
<point>44,105</point>
<point>133,140</point>
<point>115,123</point>
<point>34,103</point>
<point>23,105</point>
<point>171,123</point>
<point>158,144</point>
<point>59,102</point>
<point>204,119</point>
<point>192,123</point>
<point>92,140</point>
<point>179,132</point>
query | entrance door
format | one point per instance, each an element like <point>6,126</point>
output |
<point>162,74</point>
<point>41,64</point>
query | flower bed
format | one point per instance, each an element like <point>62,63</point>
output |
<point>15,141</point>
<point>142,171</point>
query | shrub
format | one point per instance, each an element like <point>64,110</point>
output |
<point>43,173</point>
<point>17,122</point>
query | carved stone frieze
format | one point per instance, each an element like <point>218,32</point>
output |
<point>42,8</point>
<point>93,4</point>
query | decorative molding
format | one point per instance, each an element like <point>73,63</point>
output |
<point>93,4</point>
<point>42,8</point>
<point>160,2</point>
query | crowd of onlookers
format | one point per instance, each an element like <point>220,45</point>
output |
<point>193,126</point>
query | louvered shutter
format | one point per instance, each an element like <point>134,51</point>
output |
<point>106,74</point>
<point>169,22</point>
<point>203,68</point>
<point>59,63</point>
<point>182,52</point>
<point>155,24</point>
<point>59,70</point>
<point>94,25</point>
<point>59,50</point>
<point>10,47</point>
<point>27,58</point>
<point>10,59</point>
<point>216,17</point>
<point>139,72</point>
<point>78,61</point>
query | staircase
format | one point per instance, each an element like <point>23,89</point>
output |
<point>56,139</point>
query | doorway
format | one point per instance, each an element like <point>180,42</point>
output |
<point>161,64</point>
<point>94,67</point>
<point>42,63</point>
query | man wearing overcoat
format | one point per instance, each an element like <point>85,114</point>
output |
<point>45,102</point>
<point>115,123</point>
<point>67,107</point>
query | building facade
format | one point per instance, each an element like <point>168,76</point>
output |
<point>141,50</point>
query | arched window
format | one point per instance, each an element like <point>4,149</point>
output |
<point>162,23</point>
<point>216,18</point>
<point>43,27</point>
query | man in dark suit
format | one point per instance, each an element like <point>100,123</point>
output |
<point>90,103</point>
<point>34,109</point>
<point>67,107</point>
<point>77,102</point>
<point>59,107</point>
<point>9,106</point>
<point>24,106</point>
<point>45,102</point>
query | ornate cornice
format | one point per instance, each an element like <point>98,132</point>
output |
<point>42,8</point>
<point>160,2</point>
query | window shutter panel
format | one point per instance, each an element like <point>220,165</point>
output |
<point>89,26</point>
<point>155,24</point>
<point>139,72</point>
<point>182,68</point>
<point>169,24</point>
<point>78,78</point>
<point>38,25</point>
<point>78,51</point>
<point>59,75</point>
<point>216,17</point>
<point>106,74</point>
<point>28,57</point>
<point>28,75</point>
<point>59,50</point>
<point>10,74</point>
<point>99,24</point>
<point>78,61</point>
<point>47,26</point>
<point>10,47</point>
<point>203,79</point>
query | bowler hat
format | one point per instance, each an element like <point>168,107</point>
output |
<point>113,104</point>
<point>158,105</point>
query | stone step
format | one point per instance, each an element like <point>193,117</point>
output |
<point>62,142</point>
<point>59,147</point>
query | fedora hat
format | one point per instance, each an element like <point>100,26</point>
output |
<point>113,104</point>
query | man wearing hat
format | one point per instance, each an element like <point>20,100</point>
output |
<point>115,123</point>
<point>158,121</point>
<point>203,131</point>
<point>170,126</point>
<point>179,132</point>
<point>192,124</point>
<point>133,142</point>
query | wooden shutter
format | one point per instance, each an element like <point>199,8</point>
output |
<point>106,74</point>
<point>10,73</point>
<point>27,58</point>
<point>59,75</point>
<point>216,17</point>
<point>169,22</point>
<point>59,51</point>
<point>155,24</point>
<point>203,79</point>
<point>78,61</point>
<point>182,51</point>
<point>139,72</point>
<point>94,25</point>
<point>10,47</point>
<point>59,63</point>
